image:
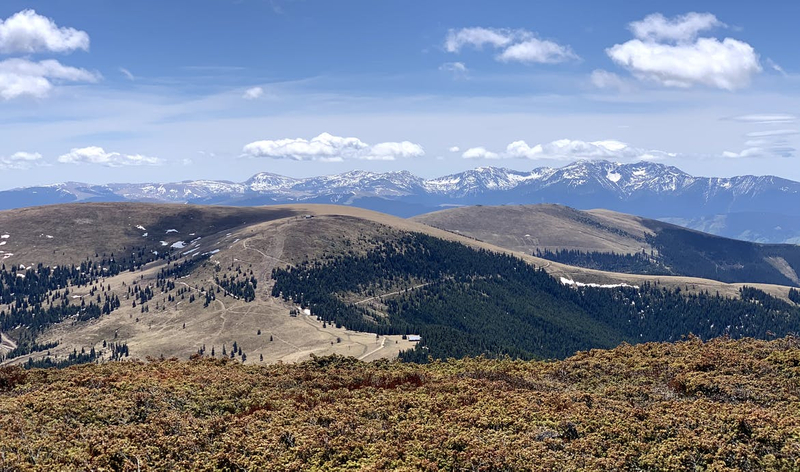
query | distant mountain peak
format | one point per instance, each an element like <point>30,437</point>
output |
<point>645,188</point>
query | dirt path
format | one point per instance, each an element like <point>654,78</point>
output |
<point>383,344</point>
<point>271,260</point>
<point>222,312</point>
<point>391,294</point>
<point>280,238</point>
<point>7,343</point>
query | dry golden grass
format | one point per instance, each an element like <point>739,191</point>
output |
<point>181,328</point>
<point>526,228</point>
<point>82,230</point>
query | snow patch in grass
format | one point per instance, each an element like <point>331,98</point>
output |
<point>571,282</point>
<point>172,231</point>
<point>5,236</point>
<point>141,227</point>
<point>179,245</point>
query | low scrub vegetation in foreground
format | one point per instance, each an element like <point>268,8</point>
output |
<point>719,405</point>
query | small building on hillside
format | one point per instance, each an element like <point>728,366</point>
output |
<point>414,337</point>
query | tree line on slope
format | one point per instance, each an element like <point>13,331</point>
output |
<point>794,295</point>
<point>479,302</point>
<point>677,251</point>
<point>34,298</point>
<point>637,263</point>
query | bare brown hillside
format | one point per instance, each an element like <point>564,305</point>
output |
<point>525,228</point>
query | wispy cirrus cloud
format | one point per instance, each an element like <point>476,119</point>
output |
<point>604,79</point>
<point>772,132</point>
<point>458,69</point>
<point>765,118</point>
<point>515,45</point>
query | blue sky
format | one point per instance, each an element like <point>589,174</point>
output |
<point>103,91</point>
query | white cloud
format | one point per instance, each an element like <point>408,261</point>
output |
<point>728,65</point>
<point>763,150</point>
<point>390,151</point>
<point>459,69</point>
<point>479,153</point>
<point>329,148</point>
<point>766,143</point>
<point>682,28</point>
<point>127,73</point>
<point>749,152</point>
<point>97,155</point>
<point>27,32</point>
<point>537,51</point>
<point>568,149</point>
<point>20,160</point>
<point>21,77</point>
<point>565,149</point>
<point>478,37</point>
<point>518,45</point>
<point>253,93</point>
<point>454,149</point>
<point>604,79</point>
<point>668,52</point>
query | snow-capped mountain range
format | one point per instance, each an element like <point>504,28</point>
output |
<point>645,188</point>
